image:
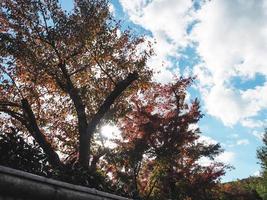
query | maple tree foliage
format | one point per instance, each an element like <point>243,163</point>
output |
<point>62,74</point>
<point>159,152</point>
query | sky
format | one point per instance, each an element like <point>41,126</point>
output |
<point>224,44</point>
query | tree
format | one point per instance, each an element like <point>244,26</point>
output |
<point>237,190</point>
<point>262,153</point>
<point>15,152</point>
<point>262,156</point>
<point>62,74</point>
<point>158,155</point>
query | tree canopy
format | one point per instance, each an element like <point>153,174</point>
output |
<point>62,73</point>
<point>158,155</point>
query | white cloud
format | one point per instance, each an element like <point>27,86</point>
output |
<point>232,37</point>
<point>232,105</point>
<point>226,157</point>
<point>134,8</point>
<point>257,173</point>
<point>257,97</point>
<point>168,21</point>
<point>224,103</point>
<point>207,140</point>
<point>242,142</point>
<point>203,75</point>
<point>232,42</point>
<point>204,161</point>
<point>111,8</point>
<point>258,135</point>
<point>252,123</point>
<point>235,141</point>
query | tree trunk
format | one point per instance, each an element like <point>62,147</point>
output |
<point>104,108</point>
<point>81,114</point>
<point>86,130</point>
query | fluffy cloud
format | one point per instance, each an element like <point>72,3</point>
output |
<point>232,105</point>
<point>167,20</point>
<point>231,37</point>
<point>207,140</point>
<point>226,157</point>
<point>224,103</point>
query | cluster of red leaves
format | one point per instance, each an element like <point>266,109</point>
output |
<point>158,155</point>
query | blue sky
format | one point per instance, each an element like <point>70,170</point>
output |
<point>223,43</point>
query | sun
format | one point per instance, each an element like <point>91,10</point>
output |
<point>110,131</point>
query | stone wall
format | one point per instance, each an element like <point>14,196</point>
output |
<point>19,185</point>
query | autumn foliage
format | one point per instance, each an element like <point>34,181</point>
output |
<point>238,190</point>
<point>158,155</point>
<point>62,74</point>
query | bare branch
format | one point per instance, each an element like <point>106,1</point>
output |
<point>105,72</point>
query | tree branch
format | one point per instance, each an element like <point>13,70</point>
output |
<point>8,103</point>
<point>33,128</point>
<point>79,70</point>
<point>104,108</point>
<point>13,114</point>
<point>103,70</point>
